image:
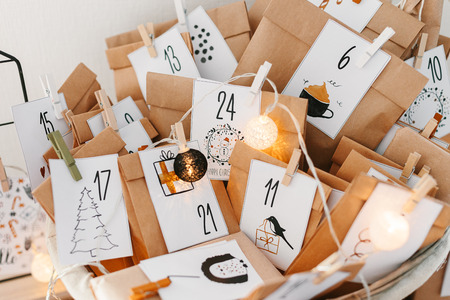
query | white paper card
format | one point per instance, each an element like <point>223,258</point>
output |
<point>188,213</point>
<point>435,96</point>
<point>445,291</point>
<point>173,58</point>
<point>380,176</point>
<point>357,241</point>
<point>329,78</point>
<point>301,286</point>
<point>397,173</point>
<point>33,121</point>
<point>276,216</point>
<point>135,136</point>
<point>220,272</point>
<point>218,121</point>
<point>90,215</point>
<point>125,111</point>
<point>212,55</point>
<point>354,15</point>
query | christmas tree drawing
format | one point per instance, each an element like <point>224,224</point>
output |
<point>90,233</point>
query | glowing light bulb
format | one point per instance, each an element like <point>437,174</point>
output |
<point>389,231</point>
<point>41,267</point>
<point>260,132</point>
<point>190,165</point>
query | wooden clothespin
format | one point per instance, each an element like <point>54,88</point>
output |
<point>179,135</point>
<point>410,166</point>
<point>109,119</point>
<point>149,289</point>
<point>148,37</point>
<point>387,33</point>
<point>429,129</point>
<point>420,190</point>
<point>420,50</point>
<point>50,91</point>
<point>180,9</point>
<point>258,82</point>
<point>292,167</point>
<point>425,170</point>
<point>63,153</point>
<point>67,114</point>
<point>3,177</point>
<point>328,267</point>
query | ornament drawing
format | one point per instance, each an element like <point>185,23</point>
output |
<point>220,141</point>
<point>90,232</point>
<point>225,269</point>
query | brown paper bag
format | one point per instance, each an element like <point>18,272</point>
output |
<point>347,145</point>
<point>332,181</point>
<point>284,37</point>
<point>79,88</point>
<point>117,286</point>
<point>240,161</point>
<point>171,96</point>
<point>406,28</point>
<point>143,220</point>
<point>432,288</point>
<point>407,141</point>
<point>443,40</point>
<point>231,20</point>
<point>322,245</point>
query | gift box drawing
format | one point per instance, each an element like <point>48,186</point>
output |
<point>170,183</point>
<point>265,239</point>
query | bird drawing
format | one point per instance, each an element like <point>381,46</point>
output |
<point>277,229</point>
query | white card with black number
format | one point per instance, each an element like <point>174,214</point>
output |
<point>173,58</point>
<point>90,215</point>
<point>188,212</point>
<point>276,216</point>
<point>33,121</point>
<point>218,121</point>
<point>329,78</point>
<point>435,96</point>
<point>354,15</point>
<point>212,55</point>
<point>125,111</point>
<point>135,136</point>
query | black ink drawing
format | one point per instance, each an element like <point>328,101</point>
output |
<point>429,97</point>
<point>219,143</point>
<point>28,213</point>
<point>277,229</point>
<point>334,83</point>
<point>90,228</point>
<point>169,181</point>
<point>202,48</point>
<point>305,81</point>
<point>318,101</point>
<point>27,189</point>
<point>225,269</point>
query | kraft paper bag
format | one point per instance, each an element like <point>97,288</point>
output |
<point>332,181</point>
<point>231,20</point>
<point>443,40</point>
<point>240,161</point>
<point>347,145</point>
<point>143,220</point>
<point>117,286</point>
<point>406,27</point>
<point>171,96</point>
<point>437,158</point>
<point>107,142</point>
<point>322,245</point>
<point>284,36</point>
<point>79,88</point>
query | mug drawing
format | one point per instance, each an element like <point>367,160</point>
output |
<point>318,101</point>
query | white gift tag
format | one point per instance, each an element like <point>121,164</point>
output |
<point>276,216</point>
<point>125,111</point>
<point>218,122</point>
<point>135,136</point>
<point>188,213</point>
<point>173,58</point>
<point>90,215</point>
<point>212,55</point>
<point>397,173</point>
<point>357,242</point>
<point>329,78</point>
<point>354,15</point>
<point>217,271</point>
<point>435,96</point>
<point>33,121</point>
<point>301,286</point>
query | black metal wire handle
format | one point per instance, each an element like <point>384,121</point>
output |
<point>22,80</point>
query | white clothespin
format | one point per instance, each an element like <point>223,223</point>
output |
<point>50,91</point>
<point>180,8</point>
<point>109,119</point>
<point>292,167</point>
<point>148,37</point>
<point>387,33</point>
<point>258,82</point>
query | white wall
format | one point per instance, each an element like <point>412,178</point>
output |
<point>53,36</point>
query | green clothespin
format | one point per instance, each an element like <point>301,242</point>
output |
<point>63,153</point>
